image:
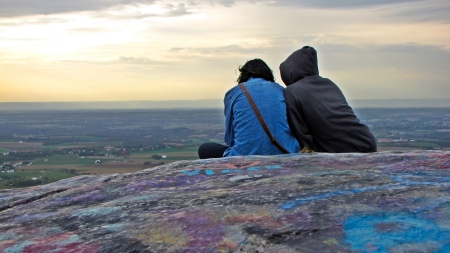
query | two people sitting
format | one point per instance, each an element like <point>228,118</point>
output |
<point>311,113</point>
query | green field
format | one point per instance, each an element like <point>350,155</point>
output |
<point>52,176</point>
<point>425,145</point>
<point>166,151</point>
<point>90,138</point>
<point>176,152</point>
<point>179,158</point>
<point>83,144</point>
<point>66,160</point>
<point>198,142</point>
<point>173,154</point>
<point>2,150</point>
<point>56,166</point>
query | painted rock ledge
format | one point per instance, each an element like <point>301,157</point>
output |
<point>382,202</point>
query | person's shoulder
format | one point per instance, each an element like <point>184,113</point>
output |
<point>264,83</point>
<point>293,87</point>
<point>232,92</point>
<point>277,85</point>
<point>300,89</point>
<point>252,81</point>
<point>329,81</point>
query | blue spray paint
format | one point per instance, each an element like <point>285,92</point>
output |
<point>231,171</point>
<point>209,172</point>
<point>195,172</point>
<point>406,183</point>
<point>382,233</point>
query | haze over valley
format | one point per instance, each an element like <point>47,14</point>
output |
<point>38,147</point>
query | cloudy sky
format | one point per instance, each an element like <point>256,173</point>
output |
<point>121,50</point>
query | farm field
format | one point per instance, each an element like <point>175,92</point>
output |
<point>58,167</point>
<point>46,146</point>
<point>82,144</point>
<point>24,146</point>
<point>44,176</point>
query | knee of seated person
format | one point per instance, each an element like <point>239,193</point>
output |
<point>202,149</point>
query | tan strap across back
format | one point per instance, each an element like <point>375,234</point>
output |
<point>261,119</point>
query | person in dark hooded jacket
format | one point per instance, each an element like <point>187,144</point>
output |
<point>318,113</point>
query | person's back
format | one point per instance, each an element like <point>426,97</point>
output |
<point>318,113</point>
<point>244,135</point>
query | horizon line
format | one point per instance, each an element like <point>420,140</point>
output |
<point>201,104</point>
<point>203,99</point>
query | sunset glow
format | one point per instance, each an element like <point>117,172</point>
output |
<point>165,50</point>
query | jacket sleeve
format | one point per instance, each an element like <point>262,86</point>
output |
<point>229,131</point>
<point>296,121</point>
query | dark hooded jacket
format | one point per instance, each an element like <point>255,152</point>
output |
<point>318,113</point>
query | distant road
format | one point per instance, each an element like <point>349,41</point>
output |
<point>203,104</point>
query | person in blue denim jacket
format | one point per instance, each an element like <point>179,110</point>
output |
<point>244,134</point>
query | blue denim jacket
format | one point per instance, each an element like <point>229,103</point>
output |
<point>244,134</point>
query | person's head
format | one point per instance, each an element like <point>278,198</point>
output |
<point>255,68</point>
<point>300,64</point>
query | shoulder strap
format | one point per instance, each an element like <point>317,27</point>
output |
<point>261,119</point>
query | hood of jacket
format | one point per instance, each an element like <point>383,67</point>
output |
<point>300,64</point>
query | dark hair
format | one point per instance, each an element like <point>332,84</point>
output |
<point>255,68</point>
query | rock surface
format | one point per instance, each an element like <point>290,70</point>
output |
<point>382,202</point>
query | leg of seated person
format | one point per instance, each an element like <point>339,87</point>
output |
<point>211,150</point>
<point>370,150</point>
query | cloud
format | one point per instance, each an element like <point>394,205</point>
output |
<point>221,50</point>
<point>418,10</point>
<point>408,70</point>
<point>168,10</point>
<point>413,10</point>
<point>423,11</point>
<point>412,58</point>
<point>124,9</point>
<point>326,4</point>
<point>417,58</point>
<point>90,29</point>
<point>43,20</point>
<point>176,10</point>
<point>176,49</point>
<point>227,3</point>
<point>144,61</point>
<point>15,8</point>
<point>138,61</point>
